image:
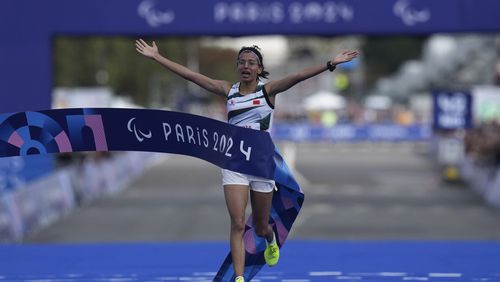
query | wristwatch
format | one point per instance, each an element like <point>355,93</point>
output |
<point>330,66</point>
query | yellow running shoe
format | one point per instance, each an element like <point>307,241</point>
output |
<point>239,279</point>
<point>272,252</point>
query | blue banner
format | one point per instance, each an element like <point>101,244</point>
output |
<point>71,130</point>
<point>452,110</point>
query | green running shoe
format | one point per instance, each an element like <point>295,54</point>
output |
<point>272,253</point>
<point>239,279</point>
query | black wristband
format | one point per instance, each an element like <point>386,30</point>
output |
<point>330,66</point>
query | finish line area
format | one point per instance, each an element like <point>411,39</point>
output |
<point>301,261</point>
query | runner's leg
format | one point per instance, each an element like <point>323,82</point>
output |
<point>261,209</point>
<point>236,201</point>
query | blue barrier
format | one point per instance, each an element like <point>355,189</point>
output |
<point>350,133</point>
<point>17,171</point>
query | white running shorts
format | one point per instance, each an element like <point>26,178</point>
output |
<point>258,184</point>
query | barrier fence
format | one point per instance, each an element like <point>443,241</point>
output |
<point>304,132</point>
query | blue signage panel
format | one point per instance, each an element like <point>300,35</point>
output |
<point>238,17</point>
<point>452,110</point>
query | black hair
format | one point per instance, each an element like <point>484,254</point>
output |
<point>256,50</point>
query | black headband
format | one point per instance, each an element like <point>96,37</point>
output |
<point>253,50</point>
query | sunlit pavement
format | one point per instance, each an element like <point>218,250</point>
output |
<point>301,261</point>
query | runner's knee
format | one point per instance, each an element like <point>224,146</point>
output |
<point>238,225</point>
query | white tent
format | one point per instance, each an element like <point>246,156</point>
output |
<point>378,102</point>
<point>324,101</point>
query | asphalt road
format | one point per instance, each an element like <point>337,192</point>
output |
<point>353,192</point>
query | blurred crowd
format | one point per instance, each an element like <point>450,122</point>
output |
<point>482,144</point>
<point>356,113</point>
<point>353,113</point>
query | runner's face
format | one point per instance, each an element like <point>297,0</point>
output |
<point>248,67</point>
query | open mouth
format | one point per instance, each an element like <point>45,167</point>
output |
<point>245,73</point>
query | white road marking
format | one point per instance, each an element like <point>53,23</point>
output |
<point>325,273</point>
<point>447,275</point>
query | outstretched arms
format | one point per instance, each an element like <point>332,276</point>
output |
<point>218,87</point>
<point>278,86</point>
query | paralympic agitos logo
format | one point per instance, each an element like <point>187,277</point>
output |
<point>139,135</point>
<point>155,15</point>
<point>409,15</point>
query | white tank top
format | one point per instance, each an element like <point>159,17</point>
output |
<point>252,110</point>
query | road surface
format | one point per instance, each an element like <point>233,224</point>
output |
<point>353,192</point>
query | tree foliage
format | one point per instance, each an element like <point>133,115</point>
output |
<point>384,55</point>
<point>113,62</point>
